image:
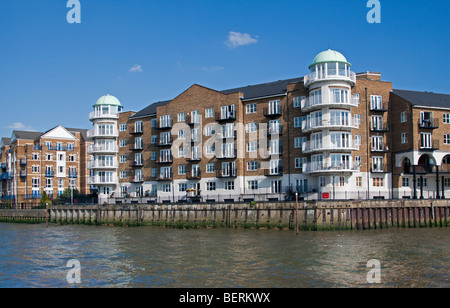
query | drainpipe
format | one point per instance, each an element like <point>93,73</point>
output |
<point>368,140</point>
<point>437,183</point>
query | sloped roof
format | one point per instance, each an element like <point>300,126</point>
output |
<point>149,110</point>
<point>264,89</point>
<point>27,135</point>
<point>426,99</point>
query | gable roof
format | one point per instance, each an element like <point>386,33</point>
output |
<point>250,92</point>
<point>59,132</point>
<point>425,99</point>
<point>6,141</point>
<point>264,89</point>
<point>149,110</point>
<point>27,135</point>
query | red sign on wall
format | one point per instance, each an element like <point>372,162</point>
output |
<point>325,195</point>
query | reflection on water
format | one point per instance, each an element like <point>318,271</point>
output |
<point>33,256</point>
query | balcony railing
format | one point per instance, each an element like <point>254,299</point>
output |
<point>434,145</point>
<point>165,160</point>
<point>272,112</point>
<point>226,173</point>
<point>330,124</point>
<point>98,134</point>
<point>23,161</point>
<point>97,180</point>
<point>310,78</point>
<point>226,116</point>
<point>49,174</point>
<point>23,173</point>
<point>311,168</point>
<point>99,115</point>
<point>226,154</point>
<point>311,146</point>
<point>112,148</point>
<point>102,165</point>
<point>383,107</point>
<point>73,174</point>
<point>165,176</point>
<point>429,123</point>
<point>59,148</point>
<point>276,171</point>
<point>3,165</point>
<point>275,130</point>
<point>194,174</point>
<point>379,128</point>
<point>310,104</point>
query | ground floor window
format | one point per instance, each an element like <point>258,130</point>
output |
<point>405,182</point>
<point>378,182</point>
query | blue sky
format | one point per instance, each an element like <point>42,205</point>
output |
<point>142,51</point>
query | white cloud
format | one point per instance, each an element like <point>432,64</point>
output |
<point>20,126</point>
<point>236,39</point>
<point>136,68</point>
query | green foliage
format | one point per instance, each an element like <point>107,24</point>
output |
<point>45,200</point>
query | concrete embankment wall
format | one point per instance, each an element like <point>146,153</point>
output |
<point>329,215</point>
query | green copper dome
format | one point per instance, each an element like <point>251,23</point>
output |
<point>108,100</point>
<point>329,56</point>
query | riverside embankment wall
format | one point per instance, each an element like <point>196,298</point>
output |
<point>329,215</point>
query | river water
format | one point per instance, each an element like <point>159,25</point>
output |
<point>35,256</point>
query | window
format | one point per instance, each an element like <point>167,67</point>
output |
<point>123,158</point>
<point>425,140</point>
<point>377,163</point>
<point>182,187</point>
<point>447,139</point>
<point>181,152</point>
<point>298,122</point>
<point>376,102</point>
<point>210,186</point>
<point>252,146</point>
<point>253,184</point>
<point>123,143</point>
<point>209,130</point>
<point>166,188</point>
<point>358,140</point>
<point>210,168</point>
<point>35,156</point>
<point>300,161</point>
<point>322,181</point>
<point>154,155</point>
<point>182,117</point>
<point>229,185</point>
<point>298,101</point>
<point>447,182</point>
<point>181,169</point>
<point>60,184</point>
<point>275,107</point>
<point>250,108</point>
<point>339,96</point>
<point>165,121</point>
<point>358,181</point>
<point>315,98</point>
<point>210,149</point>
<point>138,143</point>
<point>446,117</point>
<point>378,182</point>
<point>209,113</point>
<point>403,117</point>
<point>338,181</point>
<point>123,127</point>
<point>154,123</point>
<point>138,127</point>
<point>35,169</point>
<point>49,157</point>
<point>404,138</point>
<point>358,161</point>
<point>35,183</point>
<point>123,174</point>
<point>252,165</point>
<point>154,139</point>
<point>377,143</point>
<point>72,158</point>
<point>251,127</point>
<point>357,119</point>
<point>405,182</point>
<point>298,142</point>
<point>181,134</point>
<point>154,172</point>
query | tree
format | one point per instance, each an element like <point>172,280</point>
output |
<point>45,200</point>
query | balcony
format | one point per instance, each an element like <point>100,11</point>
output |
<point>73,174</point>
<point>227,135</point>
<point>49,174</point>
<point>164,160</point>
<point>100,180</point>
<point>311,78</point>
<point>433,146</point>
<point>166,176</point>
<point>193,158</point>
<point>310,146</point>
<point>277,171</point>
<point>225,116</point>
<point>138,179</point>
<point>227,155</point>
<point>137,132</point>
<point>23,161</point>
<point>23,174</point>
<point>311,105</point>
<point>383,107</point>
<point>194,175</point>
<point>318,168</point>
<point>275,130</point>
<point>226,173</point>
<point>59,148</point>
<point>99,134</point>
<point>6,176</point>
<point>193,120</point>
<point>374,127</point>
<point>3,165</point>
<point>164,142</point>
<point>379,149</point>
<point>102,165</point>
<point>376,169</point>
<point>336,124</point>
<point>272,112</point>
<point>429,123</point>
<point>96,115</point>
<point>137,147</point>
<point>112,148</point>
<point>163,125</point>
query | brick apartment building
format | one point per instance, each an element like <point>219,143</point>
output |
<point>34,162</point>
<point>331,134</point>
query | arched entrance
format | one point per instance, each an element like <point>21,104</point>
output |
<point>426,164</point>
